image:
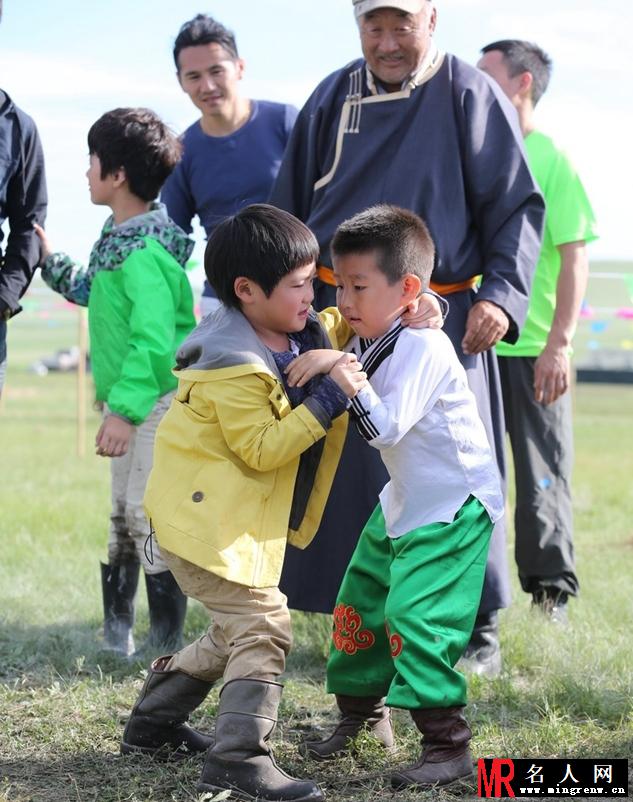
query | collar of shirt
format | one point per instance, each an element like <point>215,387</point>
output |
<point>415,79</point>
<point>376,344</point>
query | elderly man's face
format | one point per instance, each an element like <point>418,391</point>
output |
<point>394,43</point>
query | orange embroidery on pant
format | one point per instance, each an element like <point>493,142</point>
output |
<point>395,641</point>
<point>347,634</point>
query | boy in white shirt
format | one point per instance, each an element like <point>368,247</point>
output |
<point>408,601</point>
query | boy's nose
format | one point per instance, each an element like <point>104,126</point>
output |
<point>342,300</point>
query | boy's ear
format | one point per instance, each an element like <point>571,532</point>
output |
<point>119,177</point>
<point>411,286</point>
<point>243,289</point>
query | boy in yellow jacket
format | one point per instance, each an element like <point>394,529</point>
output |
<point>243,463</point>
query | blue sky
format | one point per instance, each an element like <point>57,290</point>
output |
<point>67,62</point>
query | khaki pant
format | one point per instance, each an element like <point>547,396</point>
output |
<point>250,634</point>
<point>129,528</point>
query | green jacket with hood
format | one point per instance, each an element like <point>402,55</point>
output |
<point>140,308</point>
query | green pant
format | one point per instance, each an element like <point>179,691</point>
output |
<point>406,610</point>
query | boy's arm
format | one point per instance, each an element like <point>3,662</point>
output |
<point>428,311</point>
<point>414,382</point>
<point>67,277</point>
<point>248,412</point>
<point>150,343</point>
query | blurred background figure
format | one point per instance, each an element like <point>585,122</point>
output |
<point>535,370</point>
<point>22,202</point>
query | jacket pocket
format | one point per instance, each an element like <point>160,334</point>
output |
<point>222,503</point>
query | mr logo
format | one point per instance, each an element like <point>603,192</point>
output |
<point>494,777</point>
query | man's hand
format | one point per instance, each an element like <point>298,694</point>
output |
<point>45,244</point>
<point>485,326</point>
<point>113,438</point>
<point>348,374</point>
<point>551,375</point>
<point>424,312</point>
<point>304,367</point>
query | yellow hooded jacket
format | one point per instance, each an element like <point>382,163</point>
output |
<point>224,491</point>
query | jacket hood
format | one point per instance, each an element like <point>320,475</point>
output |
<point>156,223</point>
<point>225,339</point>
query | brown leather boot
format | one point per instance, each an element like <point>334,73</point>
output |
<point>358,713</point>
<point>242,761</point>
<point>445,752</point>
<point>157,725</point>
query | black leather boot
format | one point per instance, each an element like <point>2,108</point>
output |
<point>241,760</point>
<point>358,713</point>
<point>167,609</point>
<point>118,586</point>
<point>157,726</point>
<point>482,656</point>
<point>445,750</point>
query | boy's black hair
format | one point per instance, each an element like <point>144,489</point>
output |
<point>400,238</point>
<point>138,141</point>
<point>260,242</point>
<point>204,30</point>
<point>521,56</point>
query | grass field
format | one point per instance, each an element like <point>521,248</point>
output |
<point>63,701</point>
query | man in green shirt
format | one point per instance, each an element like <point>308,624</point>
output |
<point>535,371</point>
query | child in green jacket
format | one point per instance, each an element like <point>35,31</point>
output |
<point>140,308</point>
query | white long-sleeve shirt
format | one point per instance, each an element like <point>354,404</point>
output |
<point>420,413</point>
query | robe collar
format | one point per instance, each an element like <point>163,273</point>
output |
<point>429,63</point>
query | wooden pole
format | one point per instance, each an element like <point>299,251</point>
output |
<point>82,336</point>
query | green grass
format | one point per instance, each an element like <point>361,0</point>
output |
<point>63,702</point>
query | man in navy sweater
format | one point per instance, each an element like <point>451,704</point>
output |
<point>232,154</point>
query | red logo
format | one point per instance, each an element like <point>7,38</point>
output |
<point>347,634</point>
<point>395,641</point>
<point>489,783</point>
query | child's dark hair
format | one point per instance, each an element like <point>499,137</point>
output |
<point>204,30</point>
<point>400,238</point>
<point>138,141</point>
<point>260,242</point>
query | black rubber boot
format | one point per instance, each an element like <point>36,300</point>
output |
<point>167,610</point>
<point>358,713</point>
<point>157,726</point>
<point>241,760</point>
<point>482,656</point>
<point>552,602</point>
<point>118,585</point>
<point>445,750</point>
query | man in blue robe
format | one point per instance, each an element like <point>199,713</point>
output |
<point>410,125</point>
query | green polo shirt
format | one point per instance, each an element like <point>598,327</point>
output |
<point>568,218</point>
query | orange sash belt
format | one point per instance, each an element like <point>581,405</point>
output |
<point>327,277</point>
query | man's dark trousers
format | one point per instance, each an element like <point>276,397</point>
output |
<point>541,438</point>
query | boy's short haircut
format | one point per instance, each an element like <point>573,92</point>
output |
<point>400,238</point>
<point>204,30</point>
<point>138,141</point>
<point>260,242</point>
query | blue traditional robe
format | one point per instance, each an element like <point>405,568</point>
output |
<point>449,148</point>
